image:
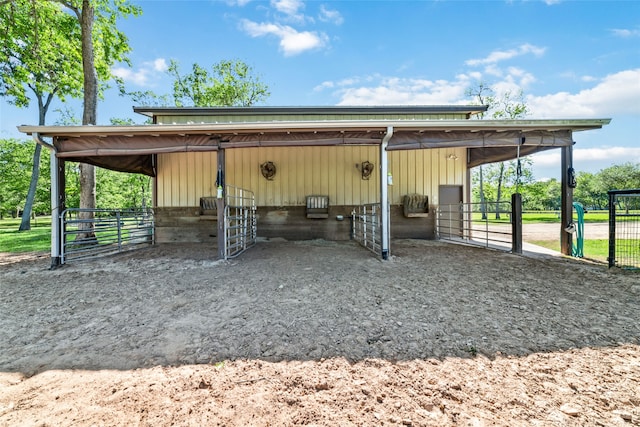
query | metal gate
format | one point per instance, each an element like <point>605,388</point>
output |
<point>624,229</point>
<point>366,226</point>
<point>240,222</point>
<point>105,231</point>
<point>464,223</point>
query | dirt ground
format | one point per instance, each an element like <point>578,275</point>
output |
<point>319,333</point>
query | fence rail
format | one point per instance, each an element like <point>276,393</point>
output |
<point>624,229</point>
<point>465,223</point>
<point>240,221</point>
<point>91,232</point>
<point>365,226</point>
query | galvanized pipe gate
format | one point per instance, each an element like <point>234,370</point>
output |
<point>103,231</point>
<point>366,226</point>
<point>240,221</point>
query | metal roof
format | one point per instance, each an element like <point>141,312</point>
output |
<point>317,126</point>
<point>310,110</point>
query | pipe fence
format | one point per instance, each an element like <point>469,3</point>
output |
<point>91,232</point>
<point>240,221</point>
<point>500,228</point>
<point>366,226</point>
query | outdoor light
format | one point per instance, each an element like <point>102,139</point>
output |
<point>452,157</point>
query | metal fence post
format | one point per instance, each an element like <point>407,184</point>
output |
<point>612,229</point>
<point>119,230</point>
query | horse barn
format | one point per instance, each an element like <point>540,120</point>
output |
<point>305,172</point>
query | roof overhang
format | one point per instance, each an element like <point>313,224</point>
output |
<point>487,140</point>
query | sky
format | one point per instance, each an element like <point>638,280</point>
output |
<point>570,59</point>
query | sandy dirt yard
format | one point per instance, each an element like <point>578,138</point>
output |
<point>319,333</point>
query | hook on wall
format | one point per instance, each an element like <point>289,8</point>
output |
<point>268,170</point>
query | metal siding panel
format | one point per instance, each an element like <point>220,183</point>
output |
<point>161,178</point>
<point>405,183</point>
<point>287,186</point>
<point>341,170</point>
<point>191,179</point>
<point>418,167</point>
<point>184,180</point>
<point>435,171</point>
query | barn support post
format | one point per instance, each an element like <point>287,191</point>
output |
<point>516,223</point>
<point>384,195</point>
<point>566,214</point>
<point>220,205</point>
<point>58,201</point>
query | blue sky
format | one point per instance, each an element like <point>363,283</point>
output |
<point>572,59</point>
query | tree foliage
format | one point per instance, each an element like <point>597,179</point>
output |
<point>230,83</point>
<point>39,57</point>
<point>508,105</point>
<point>591,190</point>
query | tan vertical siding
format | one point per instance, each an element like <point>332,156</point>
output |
<point>423,171</point>
<point>185,177</point>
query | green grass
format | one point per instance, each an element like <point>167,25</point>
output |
<point>543,217</point>
<point>593,249</point>
<point>34,240</point>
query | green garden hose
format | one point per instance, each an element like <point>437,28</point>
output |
<point>577,249</point>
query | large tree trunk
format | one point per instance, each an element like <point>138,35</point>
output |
<point>87,172</point>
<point>25,223</point>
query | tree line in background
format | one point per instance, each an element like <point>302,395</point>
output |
<point>59,49</point>
<point>113,189</point>
<point>591,190</point>
<point>121,190</point>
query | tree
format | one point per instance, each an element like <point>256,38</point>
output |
<point>15,164</point>
<point>39,54</point>
<point>110,46</point>
<point>482,93</point>
<point>620,177</point>
<point>506,106</point>
<point>231,83</point>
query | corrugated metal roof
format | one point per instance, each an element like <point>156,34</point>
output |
<point>311,110</point>
<point>318,126</point>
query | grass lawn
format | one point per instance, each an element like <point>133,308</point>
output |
<point>36,239</point>
<point>593,249</point>
<point>543,217</point>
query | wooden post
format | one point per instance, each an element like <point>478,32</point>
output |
<point>220,205</point>
<point>566,203</point>
<point>516,223</point>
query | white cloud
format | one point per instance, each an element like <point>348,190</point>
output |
<point>142,75</point>
<point>615,94</point>
<point>160,65</point>
<point>328,15</point>
<point>288,7</point>
<point>379,90</point>
<point>292,42</point>
<point>587,159</point>
<point>626,33</point>
<point>503,55</point>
